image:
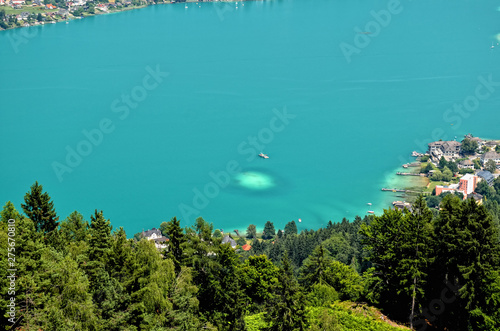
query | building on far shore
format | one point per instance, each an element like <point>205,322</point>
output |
<point>229,240</point>
<point>476,196</point>
<point>487,176</point>
<point>402,205</point>
<point>450,188</point>
<point>155,235</point>
<point>466,186</point>
<point>466,164</point>
<point>449,149</point>
<point>491,156</point>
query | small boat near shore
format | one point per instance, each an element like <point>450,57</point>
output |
<point>369,203</point>
<point>264,156</point>
<point>370,212</point>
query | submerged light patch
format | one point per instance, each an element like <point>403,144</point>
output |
<point>254,180</point>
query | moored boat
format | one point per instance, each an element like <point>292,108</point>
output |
<point>264,156</point>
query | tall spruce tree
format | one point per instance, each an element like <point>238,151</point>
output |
<point>468,256</point>
<point>175,244</point>
<point>268,231</point>
<point>287,311</point>
<point>100,237</point>
<point>398,244</point>
<point>314,268</point>
<point>417,254</point>
<point>40,209</point>
<point>74,228</point>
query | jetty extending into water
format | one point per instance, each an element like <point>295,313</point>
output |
<point>403,190</point>
<point>409,174</point>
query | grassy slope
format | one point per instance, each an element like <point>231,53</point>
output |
<point>341,316</point>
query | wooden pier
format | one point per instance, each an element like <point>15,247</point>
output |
<point>402,190</point>
<point>409,174</point>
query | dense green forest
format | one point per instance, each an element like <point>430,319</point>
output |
<point>424,269</point>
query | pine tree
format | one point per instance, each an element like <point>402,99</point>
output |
<point>121,256</point>
<point>314,268</point>
<point>417,252</point>
<point>287,311</point>
<point>74,228</point>
<point>40,209</point>
<point>290,228</point>
<point>387,239</point>
<point>27,264</point>
<point>269,230</point>
<point>251,231</point>
<point>175,244</point>
<point>100,238</point>
<point>468,256</point>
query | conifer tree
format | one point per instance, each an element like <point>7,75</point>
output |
<point>269,230</point>
<point>387,239</point>
<point>40,209</point>
<point>252,231</point>
<point>175,244</point>
<point>468,256</point>
<point>9,212</point>
<point>314,268</point>
<point>74,228</point>
<point>100,237</point>
<point>287,311</point>
<point>121,257</point>
<point>417,254</point>
<point>290,228</point>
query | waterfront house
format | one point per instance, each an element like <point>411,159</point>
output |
<point>466,164</point>
<point>63,12</point>
<point>402,205</point>
<point>152,234</point>
<point>449,149</point>
<point>491,156</point>
<point>487,176</point>
<point>50,6</point>
<point>476,196</point>
<point>156,236</point>
<point>450,188</point>
<point>467,184</point>
<point>491,144</point>
<point>229,240</point>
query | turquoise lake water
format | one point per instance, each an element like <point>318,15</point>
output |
<point>150,145</point>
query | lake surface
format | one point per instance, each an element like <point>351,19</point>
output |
<point>337,93</point>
